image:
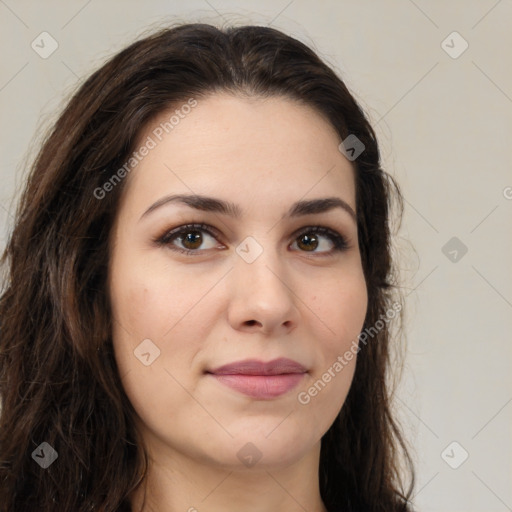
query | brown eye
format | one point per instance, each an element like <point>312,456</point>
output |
<point>194,238</point>
<point>308,243</point>
<point>311,238</point>
<point>191,238</point>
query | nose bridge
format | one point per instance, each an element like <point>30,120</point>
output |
<point>261,290</point>
<point>259,264</point>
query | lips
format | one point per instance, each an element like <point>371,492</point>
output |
<point>260,380</point>
<point>255,367</point>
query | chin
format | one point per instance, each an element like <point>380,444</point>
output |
<point>255,449</point>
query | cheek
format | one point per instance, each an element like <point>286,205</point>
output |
<point>150,301</point>
<point>153,337</point>
<point>341,309</point>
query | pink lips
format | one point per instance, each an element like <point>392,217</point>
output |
<point>261,380</point>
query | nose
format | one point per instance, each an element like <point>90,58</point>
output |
<point>261,297</point>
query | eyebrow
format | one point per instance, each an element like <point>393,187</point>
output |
<point>212,204</point>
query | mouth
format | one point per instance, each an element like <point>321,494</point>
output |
<point>258,379</point>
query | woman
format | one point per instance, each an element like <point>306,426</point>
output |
<point>200,257</point>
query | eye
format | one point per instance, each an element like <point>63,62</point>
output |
<point>191,238</point>
<point>310,238</point>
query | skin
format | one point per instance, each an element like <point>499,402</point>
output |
<point>206,310</point>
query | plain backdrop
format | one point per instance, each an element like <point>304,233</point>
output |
<point>435,77</point>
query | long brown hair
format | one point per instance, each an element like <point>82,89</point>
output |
<point>59,382</point>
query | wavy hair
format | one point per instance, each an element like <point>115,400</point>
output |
<point>59,382</point>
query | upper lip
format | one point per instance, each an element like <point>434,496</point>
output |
<point>279,366</point>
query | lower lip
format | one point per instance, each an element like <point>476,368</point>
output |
<point>261,386</point>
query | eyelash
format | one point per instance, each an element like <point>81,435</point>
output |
<point>339,241</point>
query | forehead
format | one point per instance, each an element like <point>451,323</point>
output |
<point>257,151</point>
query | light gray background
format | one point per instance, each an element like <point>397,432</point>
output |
<point>444,125</point>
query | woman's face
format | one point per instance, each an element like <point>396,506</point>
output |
<point>259,282</point>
